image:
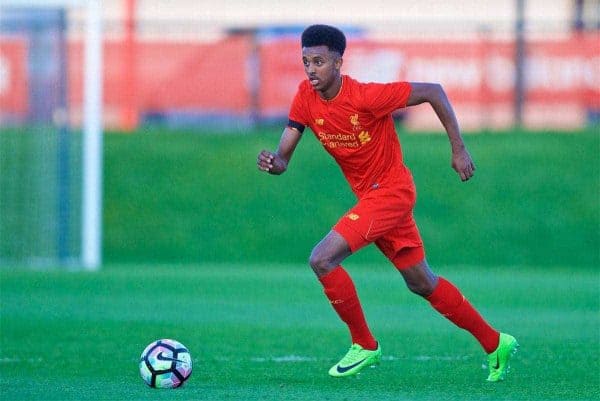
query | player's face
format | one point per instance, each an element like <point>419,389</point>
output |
<point>322,67</point>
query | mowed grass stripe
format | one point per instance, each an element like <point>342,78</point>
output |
<point>76,336</point>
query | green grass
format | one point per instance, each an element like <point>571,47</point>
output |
<point>201,247</point>
<point>197,197</point>
<point>266,332</point>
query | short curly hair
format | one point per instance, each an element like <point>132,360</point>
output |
<point>324,35</point>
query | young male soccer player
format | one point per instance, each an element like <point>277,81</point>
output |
<point>353,122</point>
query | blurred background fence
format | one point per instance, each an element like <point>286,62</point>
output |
<point>502,62</point>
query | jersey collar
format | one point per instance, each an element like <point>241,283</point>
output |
<point>337,95</point>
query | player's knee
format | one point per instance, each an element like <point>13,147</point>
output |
<point>320,263</point>
<point>420,279</point>
<point>421,287</point>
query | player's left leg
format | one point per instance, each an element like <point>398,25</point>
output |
<point>447,299</point>
<point>404,248</point>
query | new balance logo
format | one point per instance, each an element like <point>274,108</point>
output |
<point>353,216</point>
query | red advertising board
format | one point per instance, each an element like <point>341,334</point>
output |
<point>566,70</point>
<point>13,76</point>
<point>241,75</point>
<point>170,77</point>
<point>478,75</point>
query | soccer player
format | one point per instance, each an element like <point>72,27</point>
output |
<point>353,122</point>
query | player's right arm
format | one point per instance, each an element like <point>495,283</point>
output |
<point>277,162</point>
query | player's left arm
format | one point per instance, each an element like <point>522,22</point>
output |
<point>435,95</point>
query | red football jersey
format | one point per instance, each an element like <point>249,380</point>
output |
<point>357,129</point>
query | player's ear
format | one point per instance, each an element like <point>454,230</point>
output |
<point>338,63</point>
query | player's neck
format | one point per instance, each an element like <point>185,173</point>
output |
<point>334,90</point>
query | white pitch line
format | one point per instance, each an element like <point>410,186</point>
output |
<point>20,360</point>
<point>284,359</point>
<point>301,359</point>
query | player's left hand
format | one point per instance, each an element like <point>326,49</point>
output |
<point>463,164</point>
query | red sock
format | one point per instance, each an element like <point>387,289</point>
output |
<point>340,291</point>
<point>448,301</point>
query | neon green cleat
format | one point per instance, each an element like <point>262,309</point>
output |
<point>355,359</point>
<point>498,360</point>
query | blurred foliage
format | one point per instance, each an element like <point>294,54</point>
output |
<point>197,196</point>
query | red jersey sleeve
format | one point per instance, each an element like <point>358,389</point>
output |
<point>382,99</point>
<point>298,110</point>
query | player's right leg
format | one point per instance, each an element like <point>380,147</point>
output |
<point>340,290</point>
<point>355,360</point>
<point>371,217</point>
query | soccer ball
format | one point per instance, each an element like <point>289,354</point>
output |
<point>165,364</point>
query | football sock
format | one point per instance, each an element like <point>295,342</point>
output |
<point>340,291</point>
<point>448,300</point>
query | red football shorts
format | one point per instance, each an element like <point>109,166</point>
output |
<point>385,217</point>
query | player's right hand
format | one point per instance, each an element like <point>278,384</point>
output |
<point>265,160</point>
<point>271,162</point>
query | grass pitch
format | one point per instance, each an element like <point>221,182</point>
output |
<point>193,234</point>
<point>266,332</point>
